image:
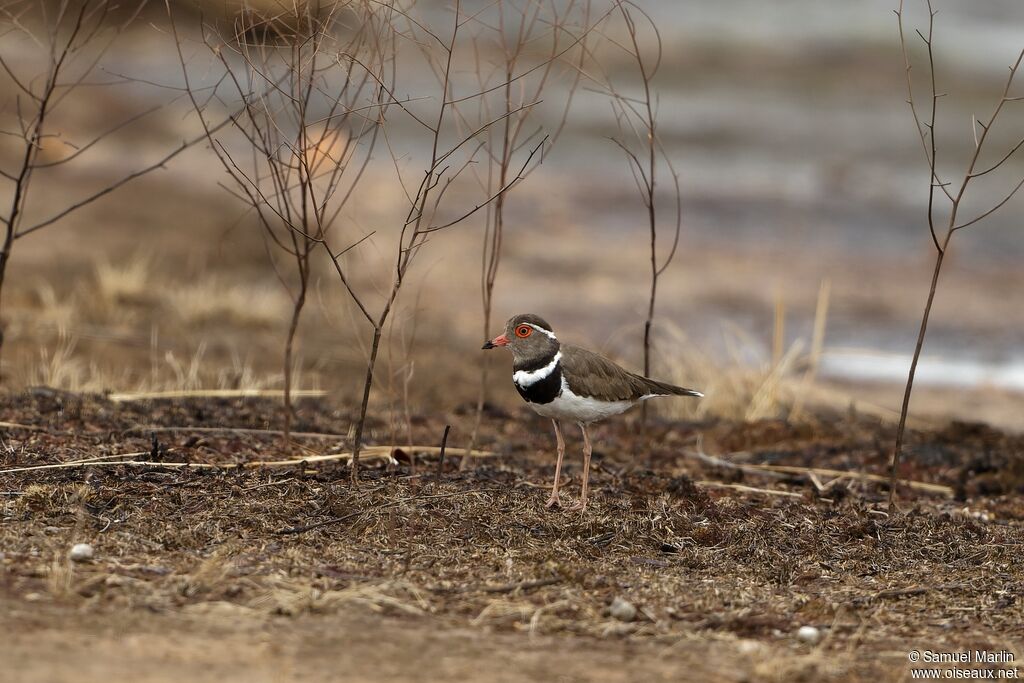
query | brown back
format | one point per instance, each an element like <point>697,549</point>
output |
<point>592,375</point>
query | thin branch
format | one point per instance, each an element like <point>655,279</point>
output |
<point>1006,157</point>
<point>519,176</point>
<point>100,137</point>
<point>529,71</point>
<point>110,188</point>
<point>995,208</point>
<point>925,133</point>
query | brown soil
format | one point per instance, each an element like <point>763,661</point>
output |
<point>293,574</point>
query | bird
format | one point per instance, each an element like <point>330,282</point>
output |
<point>566,382</point>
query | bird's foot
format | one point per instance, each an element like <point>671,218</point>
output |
<point>553,501</point>
<point>580,506</point>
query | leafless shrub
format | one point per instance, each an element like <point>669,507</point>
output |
<point>336,71</point>
<point>59,47</point>
<point>511,32</point>
<point>637,119</point>
<point>307,89</point>
<point>446,162</point>
<point>942,228</point>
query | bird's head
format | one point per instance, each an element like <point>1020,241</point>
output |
<point>528,337</point>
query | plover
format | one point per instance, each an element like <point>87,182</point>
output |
<point>565,382</point>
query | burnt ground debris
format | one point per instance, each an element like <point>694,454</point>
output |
<point>707,553</point>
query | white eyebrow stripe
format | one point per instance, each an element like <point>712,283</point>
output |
<point>527,378</point>
<point>541,329</point>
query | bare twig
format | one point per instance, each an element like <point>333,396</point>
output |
<point>15,425</point>
<point>128,397</point>
<point>784,471</point>
<point>715,461</point>
<point>748,489</point>
<point>639,115</point>
<point>303,136</point>
<point>236,430</point>
<point>926,131</point>
<point>377,452</point>
<point>860,476</point>
<point>72,38</point>
<point>438,175</point>
<point>444,446</point>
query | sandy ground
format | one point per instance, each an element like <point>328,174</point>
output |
<point>49,645</point>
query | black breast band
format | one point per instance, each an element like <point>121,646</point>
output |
<point>543,390</point>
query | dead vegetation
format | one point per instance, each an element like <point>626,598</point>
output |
<point>511,81</point>
<point>318,90</point>
<point>722,558</point>
<point>956,192</point>
<point>59,51</point>
<point>636,117</point>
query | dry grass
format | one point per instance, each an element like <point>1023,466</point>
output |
<point>61,368</point>
<point>129,295</point>
<point>228,303</point>
<point>478,550</point>
<point>61,578</point>
<point>97,340</point>
<point>196,373</point>
<point>738,390</point>
<point>125,283</point>
<point>742,389</point>
<point>130,292</point>
<point>74,337</point>
<point>754,382</point>
<point>52,310</point>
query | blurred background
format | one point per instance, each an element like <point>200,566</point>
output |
<point>804,197</point>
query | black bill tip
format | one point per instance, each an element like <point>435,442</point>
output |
<point>487,345</point>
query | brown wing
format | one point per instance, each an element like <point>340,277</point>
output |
<point>591,374</point>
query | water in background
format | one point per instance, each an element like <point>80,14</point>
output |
<point>788,123</point>
<point>787,120</point>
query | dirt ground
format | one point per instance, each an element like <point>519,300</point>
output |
<point>289,573</point>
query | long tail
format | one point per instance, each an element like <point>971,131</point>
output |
<point>663,389</point>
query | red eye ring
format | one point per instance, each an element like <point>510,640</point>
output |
<point>524,331</point>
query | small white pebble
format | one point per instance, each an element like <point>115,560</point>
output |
<point>980,515</point>
<point>622,610</point>
<point>808,634</point>
<point>80,552</point>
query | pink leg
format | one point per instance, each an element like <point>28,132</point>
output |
<point>553,500</point>
<point>587,451</point>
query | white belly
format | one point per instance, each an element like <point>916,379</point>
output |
<point>569,406</point>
